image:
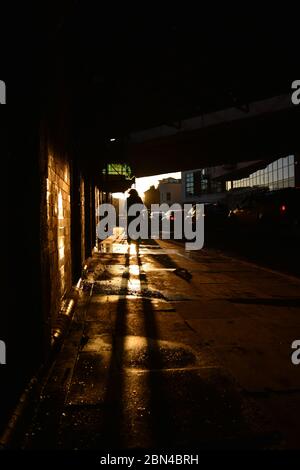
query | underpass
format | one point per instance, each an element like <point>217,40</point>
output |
<point>106,346</point>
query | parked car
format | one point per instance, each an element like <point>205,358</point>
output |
<point>216,211</point>
<point>273,207</point>
<point>180,217</point>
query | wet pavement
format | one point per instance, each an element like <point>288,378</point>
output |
<point>175,349</point>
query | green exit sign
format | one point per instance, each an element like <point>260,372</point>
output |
<point>121,169</point>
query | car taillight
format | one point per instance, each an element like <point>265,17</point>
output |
<point>283,208</point>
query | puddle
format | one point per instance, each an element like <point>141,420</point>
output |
<point>108,289</point>
<point>138,352</point>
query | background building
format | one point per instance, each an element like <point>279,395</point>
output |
<point>170,191</point>
<point>213,184</point>
<point>151,196</point>
<point>281,173</point>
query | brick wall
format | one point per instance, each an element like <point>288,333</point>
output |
<point>58,243</point>
<point>98,201</point>
<point>82,214</point>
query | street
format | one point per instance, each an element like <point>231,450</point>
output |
<point>174,349</point>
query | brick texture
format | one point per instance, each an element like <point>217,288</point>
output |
<point>58,237</point>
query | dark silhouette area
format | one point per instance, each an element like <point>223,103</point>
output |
<point>133,199</point>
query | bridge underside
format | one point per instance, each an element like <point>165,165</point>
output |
<point>119,78</point>
<point>265,137</point>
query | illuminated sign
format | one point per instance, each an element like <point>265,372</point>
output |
<point>121,169</point>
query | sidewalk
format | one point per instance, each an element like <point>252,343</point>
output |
<point>162,359</point>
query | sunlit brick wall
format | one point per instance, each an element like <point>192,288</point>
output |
<point>82,212</point>
<point>58,229</point>
<point>97,210</point>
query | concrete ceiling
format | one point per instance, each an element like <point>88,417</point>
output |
<point>129,69</point>
<point>264,136</point>
<point>146,71</point>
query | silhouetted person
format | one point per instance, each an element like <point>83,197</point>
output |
<point>133,198</point>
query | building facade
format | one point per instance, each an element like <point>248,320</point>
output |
<point>214,183</point>
<point>279,174</point>
<point>170,191</point>
<point>151,196</point>
<point>203,185</point>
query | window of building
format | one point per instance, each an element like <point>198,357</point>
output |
<point>189,184</point>
<point>168,196</point>
<point>204,184</point>
<point>217,186</point>
<point>278,174</point>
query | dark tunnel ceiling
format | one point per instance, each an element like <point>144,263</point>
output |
<point>141,67</point>
<point>132,68</point>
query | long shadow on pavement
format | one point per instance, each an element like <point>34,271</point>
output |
<point>160,416</point>
<point>113,401</point>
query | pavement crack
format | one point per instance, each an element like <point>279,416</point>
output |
<point>189,326</point>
